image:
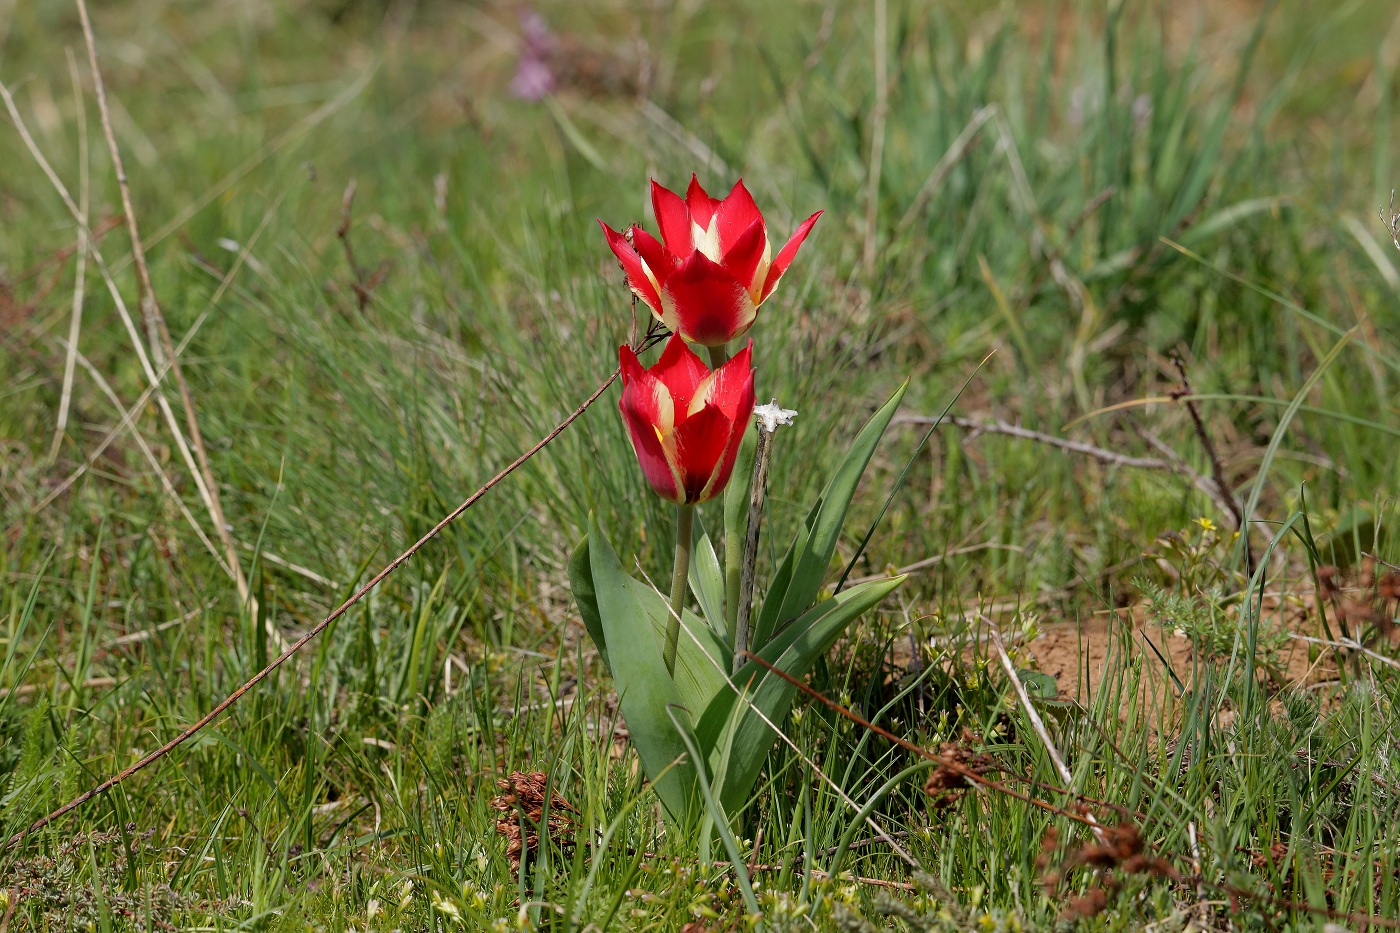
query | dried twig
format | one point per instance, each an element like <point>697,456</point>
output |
<point>162,346</point>
<point>320,627</point>
<point>1036,722</point>
<point>757,491</point>
<point>75,324</point>
<point>153,460</point>
<point>1173,463</point>
<point>1348,644</point>
<point>937,559</point>
<point>129,415</point>
<point>1390,219</point>
<point>1183,395</point>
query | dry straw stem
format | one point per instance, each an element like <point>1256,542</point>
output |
<point>1173,464</point>
<point>320,627</point>
<point>1347,644</point>
<point>1216,467</point>
<point>154,461</point>
<point>757,490</point>
<point>1037,723</point>
<point>137,344</point>
<point>75,324</point>
<point>161,346</point>
<point>132,411</point>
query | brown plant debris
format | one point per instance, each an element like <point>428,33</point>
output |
<point>949,782</point>
<point>1092,902</point>
<point>525,808</point>
<point>1114,851</point>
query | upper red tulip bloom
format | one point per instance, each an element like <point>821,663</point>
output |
<point>686,421</point>
<point>714,266</point>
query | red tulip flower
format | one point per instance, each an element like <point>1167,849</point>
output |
<point>686,421</point>
<point>713,266</point>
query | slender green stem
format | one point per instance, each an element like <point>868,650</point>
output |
<point>718,355</point>
<point>680,581</point>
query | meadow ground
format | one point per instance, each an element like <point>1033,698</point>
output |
<point>383,279</point>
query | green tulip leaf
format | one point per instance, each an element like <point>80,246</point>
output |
<point>707,583</point>
<point>645,688</point>
<point>731,730</point>
<point>581,583</point>
<point>701,658</point>
<point>799,577</point>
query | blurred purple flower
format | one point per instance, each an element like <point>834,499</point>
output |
<point>534,78</point>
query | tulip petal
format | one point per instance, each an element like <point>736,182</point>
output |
<point>649,414</point>
<point>702,206</point>
<point>709,306</point>
<point>643,284</point>
<point>732,389</point>
<point>736,213</point>
<point>733,394</point>
<point>673,218</point>
<point>785,256</point>
<point>681,372</point>
<point>744,255</point>
<point>701,443</point>
<point>660,259</point>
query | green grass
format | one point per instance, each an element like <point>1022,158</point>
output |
<point>355,776</point>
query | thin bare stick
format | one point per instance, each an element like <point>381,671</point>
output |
<point>347,203</point>
<point>1036,723</point>
<point>978,426</point>
<point>937,559</point>
<point>757,490</point>
<point>161,345</point>
<point>317,629</point>
<point>1348,644</point>
<point>153,460</point>
<point>1183,395</point>
<point>75,324</point>
<point>1391,221</point>
<point>1174,464</point>
<point>140,404</point>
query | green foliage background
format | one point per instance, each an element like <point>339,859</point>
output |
<point>1145,179</point>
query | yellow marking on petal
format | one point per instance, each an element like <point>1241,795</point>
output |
<point>707,241</point>
<point>651,276</point>
<point>760,274</point>
<point>702,395</point>
<point>665,410</point>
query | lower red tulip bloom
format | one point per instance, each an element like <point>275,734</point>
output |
<point>712,267</point>
<point>686,422</point>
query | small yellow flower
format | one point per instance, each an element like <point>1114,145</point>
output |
<point>1206,524</point>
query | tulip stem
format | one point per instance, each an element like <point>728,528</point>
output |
<point>718,356</point>
<point>680,581</point>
